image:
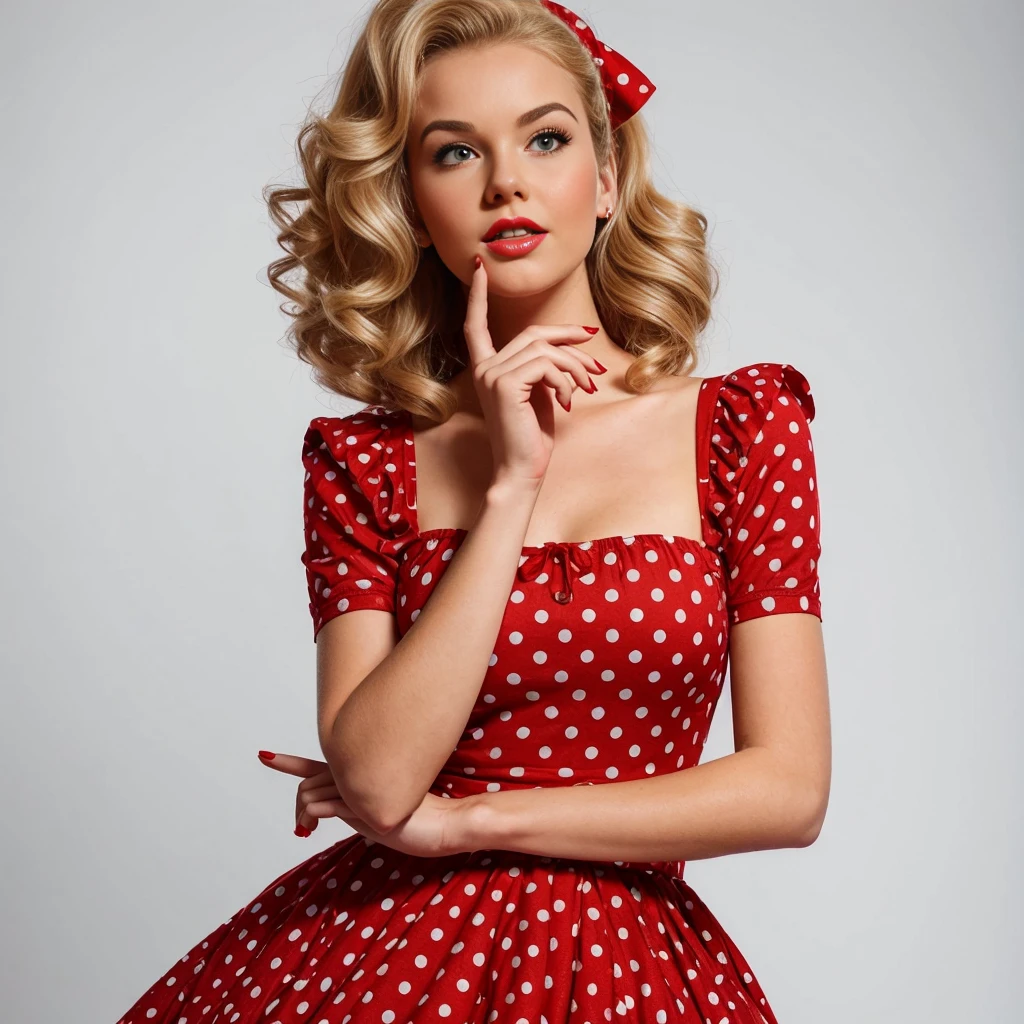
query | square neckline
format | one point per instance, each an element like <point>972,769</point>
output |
<point>702,424</point>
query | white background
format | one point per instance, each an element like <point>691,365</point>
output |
<point>861,167</point>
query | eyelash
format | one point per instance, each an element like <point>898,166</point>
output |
<point>564,137</point>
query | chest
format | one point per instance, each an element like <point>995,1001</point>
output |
<point>649,597</point>
<point>627,470</point>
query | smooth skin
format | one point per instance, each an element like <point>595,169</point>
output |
<point>515,468</point>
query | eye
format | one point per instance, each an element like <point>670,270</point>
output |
<point>553,133</point>
<point>454,147</point>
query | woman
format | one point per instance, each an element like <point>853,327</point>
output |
<point>523,616</point>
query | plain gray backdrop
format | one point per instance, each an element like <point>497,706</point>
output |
<point>861,169</point>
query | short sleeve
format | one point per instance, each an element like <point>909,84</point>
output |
<point>768,492</point>
<point>351,553</point>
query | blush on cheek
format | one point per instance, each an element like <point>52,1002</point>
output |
<point>572,204</point>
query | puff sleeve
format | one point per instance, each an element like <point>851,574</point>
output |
<point>350,556</point>
<point>767,500</point>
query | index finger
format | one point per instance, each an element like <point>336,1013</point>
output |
<point>478,338</point>
<point>293,764</point>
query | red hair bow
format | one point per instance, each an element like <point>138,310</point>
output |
<point>626,87</point>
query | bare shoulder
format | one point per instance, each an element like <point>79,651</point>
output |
<point>677,384</point>
<point>674,395</point>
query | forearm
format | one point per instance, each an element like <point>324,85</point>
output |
<point>397,729</point>
<point>745,801</point>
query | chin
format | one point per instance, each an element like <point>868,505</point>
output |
<point>526,276</point>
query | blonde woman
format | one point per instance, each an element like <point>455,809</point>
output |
<point>531,556</point>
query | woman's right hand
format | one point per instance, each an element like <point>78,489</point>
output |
<point>517,385</point>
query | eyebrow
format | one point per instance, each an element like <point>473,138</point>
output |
<point>521,122</point>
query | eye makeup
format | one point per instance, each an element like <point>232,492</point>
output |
<point>564,137</point>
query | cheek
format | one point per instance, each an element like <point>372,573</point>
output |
<point>442,204</point>
<point>571,199</point>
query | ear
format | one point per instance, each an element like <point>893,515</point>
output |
<point>608,191</point>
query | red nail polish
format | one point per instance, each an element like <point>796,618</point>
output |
<point>477,261</point>
<point>591,330</point>
<point>592,388</point>
<point>603,369</point>
<point>267,755</point>
<point>302,831</point>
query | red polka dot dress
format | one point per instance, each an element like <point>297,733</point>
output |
<point>607,667</point>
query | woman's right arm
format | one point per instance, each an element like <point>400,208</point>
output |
<point>386,741</point>
<point>392,711</point>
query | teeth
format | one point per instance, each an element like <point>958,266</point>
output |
<point>513,233</point>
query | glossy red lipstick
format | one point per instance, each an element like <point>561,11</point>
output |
<point>517,245</point>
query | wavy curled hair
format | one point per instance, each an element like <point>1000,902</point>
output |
<point>380,319</point>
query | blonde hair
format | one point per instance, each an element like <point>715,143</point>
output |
<point>379,319</point>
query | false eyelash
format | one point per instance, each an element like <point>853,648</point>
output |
<point>564,137</point>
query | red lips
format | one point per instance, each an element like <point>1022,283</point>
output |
<point>506,224</point>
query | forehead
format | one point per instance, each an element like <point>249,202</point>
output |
<point>491,85</point>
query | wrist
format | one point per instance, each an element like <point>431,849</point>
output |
<point>479,825</point>
<point>511,493</point>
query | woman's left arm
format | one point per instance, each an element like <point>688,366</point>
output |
<point>771,793</point>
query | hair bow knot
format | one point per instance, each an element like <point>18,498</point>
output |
<point>626,87</point>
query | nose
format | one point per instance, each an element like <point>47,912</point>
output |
<point>498,196</point>
<point>506,181</point>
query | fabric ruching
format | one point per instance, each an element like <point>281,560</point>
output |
<point>562,562</point>
<point>356,517</point>
<point>744,398</point>
<point>762,502</point>
<point>379,468</point>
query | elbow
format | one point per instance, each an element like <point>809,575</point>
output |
<point>810,818</point>
<point>802,799</point>
<point>366,799</point>
<point>374,804</point>
<point>365,803</point>
<point>378,819</point>
<point>381,818</point>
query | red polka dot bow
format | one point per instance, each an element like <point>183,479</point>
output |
<point>626,87</point>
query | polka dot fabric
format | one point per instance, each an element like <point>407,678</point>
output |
<point>626,87</point>
<point>608,666</point>
<point>762,491</point>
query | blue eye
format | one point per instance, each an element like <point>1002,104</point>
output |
<point>563,137</point>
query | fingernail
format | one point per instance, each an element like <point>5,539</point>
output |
<point>302,831</point>
<point>603,369</point>
<point>592,388</point>
<point>477,261</point>
<point>267,755</point>
<point>567,406</point>
<point>592,330</point>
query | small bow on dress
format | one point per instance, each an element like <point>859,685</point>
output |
<point>563,562</point>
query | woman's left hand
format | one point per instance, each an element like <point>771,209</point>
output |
<point>436,828</point>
